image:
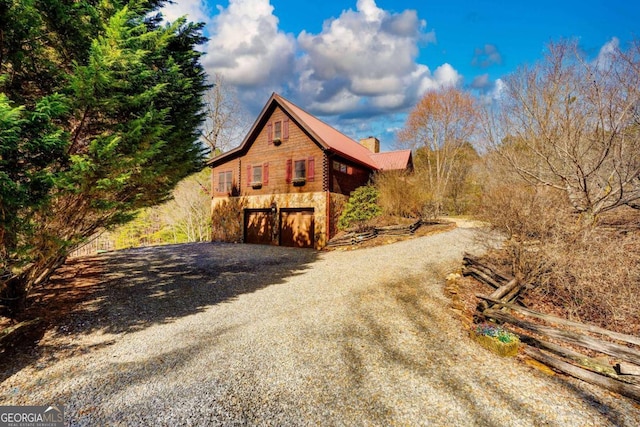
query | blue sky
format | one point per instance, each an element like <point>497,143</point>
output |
<point>361,65</point>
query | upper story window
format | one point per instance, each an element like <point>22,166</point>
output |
<point>300,169</point>
<point>341,167</point>
<point>225,182</point>
<point>257,174</point>
<point>277,130</point>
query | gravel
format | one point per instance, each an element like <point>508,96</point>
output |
<point>223,334</point>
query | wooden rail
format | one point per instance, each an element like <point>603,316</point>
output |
<point>354,238</point>
<point>552,340</point>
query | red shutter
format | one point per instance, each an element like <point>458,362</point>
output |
<point>285,129</point>
<point>270,133</point>
<point>265,173</point>
<point>249,176</point>
<point>311,169</point>
<point>289,171</point>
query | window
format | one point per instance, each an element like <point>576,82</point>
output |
<point>300,170</point>
<point>257,175</point>
<point>225,182</point>
<point>341,167</point>
<point>277,131</point>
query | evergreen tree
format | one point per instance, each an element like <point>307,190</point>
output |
<point>99,115</point>
<point>361,207</point>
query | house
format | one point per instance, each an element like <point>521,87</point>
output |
<point>293,173</point>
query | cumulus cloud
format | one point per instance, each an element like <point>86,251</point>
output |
<point>361,64</point>
<point>247,48</point>
<point>195,10</point>
<point>486,56</point>
<point>366,59</point>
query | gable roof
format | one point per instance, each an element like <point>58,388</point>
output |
<point>329,137</point>
<point>324,135</point>
<point>392,160</point>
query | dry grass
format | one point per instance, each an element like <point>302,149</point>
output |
<point>587,272</point>
<point>400,195</point>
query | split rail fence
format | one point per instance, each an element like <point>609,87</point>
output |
<point>355,238</point>
<point>613,359</point>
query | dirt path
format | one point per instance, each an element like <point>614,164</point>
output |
<point>240,334</point>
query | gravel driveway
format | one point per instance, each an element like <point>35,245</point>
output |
<point>217,334</point>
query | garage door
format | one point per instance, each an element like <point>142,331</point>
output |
<point>296,228</point>
<point>258,226</point>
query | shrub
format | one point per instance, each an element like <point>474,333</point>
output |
<point>587,271</point>
<point>361,207</point>
<point>399,195</point>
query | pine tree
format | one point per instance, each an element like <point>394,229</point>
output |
<point>99,115</point>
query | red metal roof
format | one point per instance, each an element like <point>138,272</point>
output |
<point>392,160</point>
<point>325,135</point>
<point>328,136</point>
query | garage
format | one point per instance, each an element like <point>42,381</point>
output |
<point>258,226</point>
<point>297,227</point>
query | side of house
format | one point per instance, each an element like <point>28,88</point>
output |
<point>292,174</point>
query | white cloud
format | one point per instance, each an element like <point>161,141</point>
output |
<point>606,53</point>
<point>246,46</point>
<point>498,89</point>
<point>366,59</point>
<point>446,75</point>
<point>195,10</point>
<point>361,64</point>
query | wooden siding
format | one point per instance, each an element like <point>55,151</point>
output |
<point>295,145</point>
<point>347,177</point>
<point>277,161</point>
<point>232,166</point>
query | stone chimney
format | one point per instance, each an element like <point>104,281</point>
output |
<point>371,143</point>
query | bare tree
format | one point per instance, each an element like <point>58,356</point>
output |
<point>226,121</point>
<point>442,123</point>
<point>572,124</point>
<point>188,214</point>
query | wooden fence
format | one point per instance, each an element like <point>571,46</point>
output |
<point>613,359</point>
<point>355,238</point>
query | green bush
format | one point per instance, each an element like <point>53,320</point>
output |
<point>361,207</point>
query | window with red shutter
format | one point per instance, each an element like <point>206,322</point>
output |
<point>277,131</point>
<point>311,169</point>
<point>289,171</point>
<point>249,175</point>
<point>265,172</point>
<point>269,133</point>
<point>285,129</point>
